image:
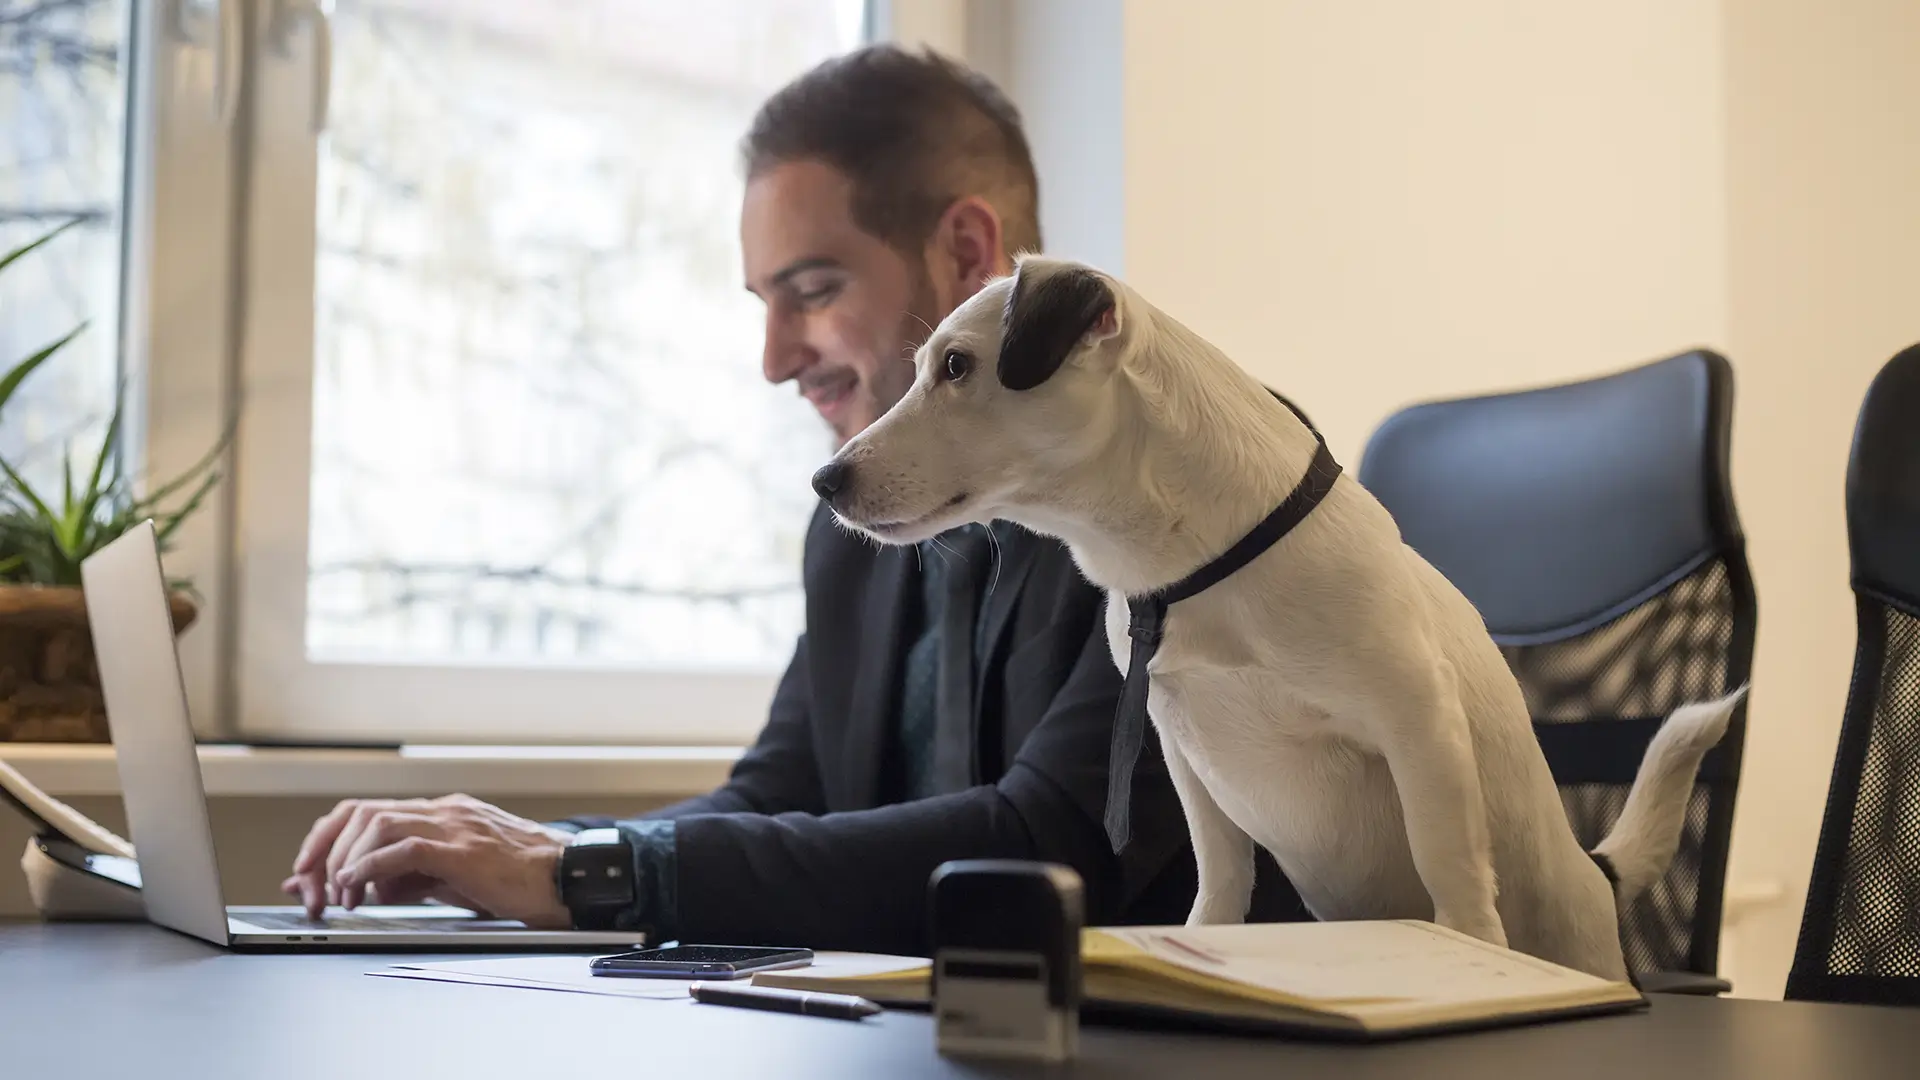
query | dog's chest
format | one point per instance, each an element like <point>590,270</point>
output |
<point>1289,776</point>
<point>1213,689</point>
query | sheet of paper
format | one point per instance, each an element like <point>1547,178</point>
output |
<point>854,965</point>
<point>539,973</point>
<point>570,973</point>
<point>657,990</point>
<point>1356,962</point>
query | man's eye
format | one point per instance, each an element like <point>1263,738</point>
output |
<point>957,365</point>
<point>816,294</point>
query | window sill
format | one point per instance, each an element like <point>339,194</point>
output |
<point>65,771</point>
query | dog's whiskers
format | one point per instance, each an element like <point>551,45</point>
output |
<point>947,554</point>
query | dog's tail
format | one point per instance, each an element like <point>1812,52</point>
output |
<point>1636,852</point>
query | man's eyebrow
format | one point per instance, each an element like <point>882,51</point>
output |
<point>798,266</point>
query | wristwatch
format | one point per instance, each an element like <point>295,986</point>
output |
<point>595,877</point>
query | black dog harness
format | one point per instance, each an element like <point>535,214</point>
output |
<point>1147,618</point>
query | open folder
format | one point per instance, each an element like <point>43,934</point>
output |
<point>1361,980</point>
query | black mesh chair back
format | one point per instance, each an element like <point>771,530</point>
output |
<point>1860,935</point>
<point>1593,526</point>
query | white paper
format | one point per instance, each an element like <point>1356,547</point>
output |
<point>654,989</point>
<point>854,965</point>
<point>539,973</point>
<point>571,973</point>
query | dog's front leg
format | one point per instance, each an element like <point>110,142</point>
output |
<point>1222,852</point>
<point>1429,749</point>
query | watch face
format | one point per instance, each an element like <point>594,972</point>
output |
<point>596,875</point>
<point>608,882</point>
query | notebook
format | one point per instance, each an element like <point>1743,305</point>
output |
<point>1358,980</point>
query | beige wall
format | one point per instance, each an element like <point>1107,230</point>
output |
<point>1377,201</point>
<point>1823,136</point>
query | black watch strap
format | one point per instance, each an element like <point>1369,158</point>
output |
<point>596,880</point>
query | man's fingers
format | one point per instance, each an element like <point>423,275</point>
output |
<point>348,835</point>
<point>413,855</point>
<point>352,833</point>
<point>388,827</point>
<point>320,838</point>
<point>381,829</point>
<point>408,889</point>
<point>310,890</point>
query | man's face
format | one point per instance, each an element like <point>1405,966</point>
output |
<point>844,309</point>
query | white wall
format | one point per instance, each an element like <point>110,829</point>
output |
<point>1378,201</point>
<point>1073,118</point>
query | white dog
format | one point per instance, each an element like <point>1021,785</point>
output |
<point>1336,700</point>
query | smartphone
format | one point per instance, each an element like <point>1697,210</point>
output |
<point>699,962</point>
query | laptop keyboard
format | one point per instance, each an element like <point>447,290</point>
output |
<point>295,920</point>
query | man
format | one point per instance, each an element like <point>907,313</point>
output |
<point>946,702</point>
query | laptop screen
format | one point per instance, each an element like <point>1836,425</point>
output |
<point>146,699</point>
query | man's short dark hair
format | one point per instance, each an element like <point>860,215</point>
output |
<point>913,132</point>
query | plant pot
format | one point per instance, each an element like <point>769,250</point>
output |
<point>49,683</point>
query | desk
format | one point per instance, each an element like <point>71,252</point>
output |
<point>129,1002</point>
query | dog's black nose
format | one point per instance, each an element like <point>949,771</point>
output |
<point>832,479</point>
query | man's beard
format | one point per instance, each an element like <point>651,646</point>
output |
<point>916,325</point>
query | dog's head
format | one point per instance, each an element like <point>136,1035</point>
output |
<point>1011,393</point>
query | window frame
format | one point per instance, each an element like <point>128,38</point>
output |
<point>185,101</point>
<point>220,325</point>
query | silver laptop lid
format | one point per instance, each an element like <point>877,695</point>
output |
<point>146,698</point>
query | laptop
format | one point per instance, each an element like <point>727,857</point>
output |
<point>166,798</point>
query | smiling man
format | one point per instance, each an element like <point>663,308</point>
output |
<point>949,701</point>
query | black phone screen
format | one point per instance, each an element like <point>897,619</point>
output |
<point>705,954</point>
<point>707,961</point>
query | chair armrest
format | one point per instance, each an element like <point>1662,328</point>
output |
<point>1683,982</point>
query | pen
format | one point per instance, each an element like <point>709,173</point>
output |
<point>804,1002</point>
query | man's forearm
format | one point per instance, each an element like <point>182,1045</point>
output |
<point>853,880</point>
<point>720,801</point>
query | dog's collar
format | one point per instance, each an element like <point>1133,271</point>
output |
<point>1147,616</point>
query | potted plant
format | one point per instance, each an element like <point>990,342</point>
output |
<point>49,684</point>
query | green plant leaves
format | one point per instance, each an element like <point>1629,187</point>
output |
<point>17,374</point>
<point>44,544</point>
<point>20,252</point>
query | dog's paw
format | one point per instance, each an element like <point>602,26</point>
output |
<point>1486,927</point>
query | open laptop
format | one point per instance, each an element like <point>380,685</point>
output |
<point>166,799</point>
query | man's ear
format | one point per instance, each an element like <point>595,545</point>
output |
<point>1048,312</point>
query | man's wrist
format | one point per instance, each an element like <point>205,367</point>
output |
<point>656,875</point>
<point>594,879</point>
<point>551,912</point>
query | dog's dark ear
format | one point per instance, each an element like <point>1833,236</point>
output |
<point>1047,315</point>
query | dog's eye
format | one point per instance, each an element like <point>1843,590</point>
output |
<point>958,364</point>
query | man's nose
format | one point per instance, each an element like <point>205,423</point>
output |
<point>832,478</point>
<point>784,354</point>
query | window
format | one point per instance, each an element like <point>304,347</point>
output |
<point>506,468</point>
<point>540,433</point>
<point>62,159</point>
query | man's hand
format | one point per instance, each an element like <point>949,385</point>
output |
<point>455,849</point>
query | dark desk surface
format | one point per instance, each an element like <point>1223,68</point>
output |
<point>130,1001</point>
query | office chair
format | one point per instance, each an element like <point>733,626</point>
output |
<point>1860,934</point>
<point>1592,524</point>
